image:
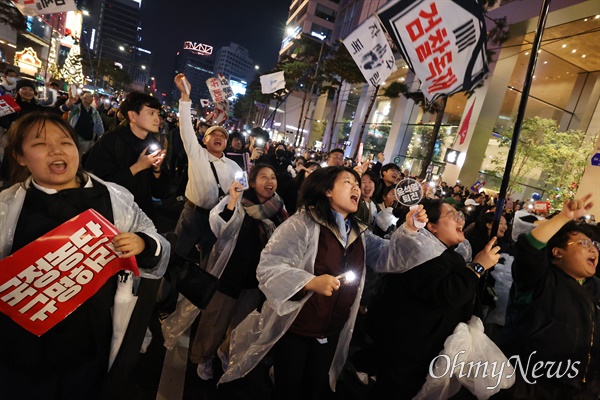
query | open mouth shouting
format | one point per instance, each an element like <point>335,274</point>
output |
<point>354,198</point>
<point>58,167</point>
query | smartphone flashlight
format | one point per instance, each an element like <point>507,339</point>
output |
<point>152,148</point>
<point>346,277</point>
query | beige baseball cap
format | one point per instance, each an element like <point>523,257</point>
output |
<point>217,128</point>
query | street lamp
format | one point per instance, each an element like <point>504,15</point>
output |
<point>121,48</point>
<point>143,67</point>
<point>256,67</point>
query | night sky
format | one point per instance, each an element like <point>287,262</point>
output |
<point>256,25</point>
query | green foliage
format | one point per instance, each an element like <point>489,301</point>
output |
<point>562,156</point>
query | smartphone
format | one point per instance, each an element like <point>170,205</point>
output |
<point>242,178</point>
<point>259,143</point>
<point>73,90</point>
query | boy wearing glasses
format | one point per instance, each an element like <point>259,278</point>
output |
<point>553,319</point>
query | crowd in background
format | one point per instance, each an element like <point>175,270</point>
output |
<point>284,238</point>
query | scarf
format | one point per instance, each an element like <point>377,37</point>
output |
<point>270,214</point>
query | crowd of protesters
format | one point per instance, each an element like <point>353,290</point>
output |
<point>313,252</point>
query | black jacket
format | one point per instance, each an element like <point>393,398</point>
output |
<point>550,313</point>
<point>414,314</point>
<point>110,159</point>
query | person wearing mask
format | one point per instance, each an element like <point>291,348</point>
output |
<point>87,122</point>
<point>70,361</point>
<point>306,273</point>
<point>8,82</point>
<point>430,290</point>
<point>243,222</point>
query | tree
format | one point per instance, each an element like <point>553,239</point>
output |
<point>336,70</point>
<point>72,71</point>
<point>562,156</point>
<point>11,16</point>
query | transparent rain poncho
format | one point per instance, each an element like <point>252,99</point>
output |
<point>286,266</point>
<point>128,217</point>
<point>227,234</point>
<point>409,249</point>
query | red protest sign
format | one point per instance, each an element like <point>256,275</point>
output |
<point>8,105</point>
<point>541,206</point>
<point>45,281</point>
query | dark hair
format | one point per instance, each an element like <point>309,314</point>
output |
<point>256,169</point>
<point>389,166</point>
<point>9,70</point>
<point>336,150</point>
<point>313,193</point>
<point>16,133</point>
<point>135,101</point>
<point>433,208</point>
<point>387,189</point>
<point>300,158</point>
<point>563,236</point>
<point>236,135</point>
<point>372,175</point>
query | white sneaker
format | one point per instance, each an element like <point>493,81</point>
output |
<point>205,370</point>
<point>224,359</point>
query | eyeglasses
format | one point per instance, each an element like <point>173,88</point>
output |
<point>455,215</point>
<point>586,243</point>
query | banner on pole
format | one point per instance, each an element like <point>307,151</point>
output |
<point>443,42</point>
<point>8,105</point>
<point>41,7</point>
<point>45,281</point>
<point>271,83</point>
<point>371,51</point>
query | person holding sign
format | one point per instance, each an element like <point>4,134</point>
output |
<point>431,290</point>
<point>70,360</point>
<point>311,298</point>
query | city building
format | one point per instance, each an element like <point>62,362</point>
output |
<point>112,29</point>
<point>566,88</point>
<point>197,62</point>
<point>234,62</point>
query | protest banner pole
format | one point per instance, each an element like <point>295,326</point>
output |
<point>520,114</point>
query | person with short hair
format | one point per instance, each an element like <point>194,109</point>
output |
<point>87,122</point>
<point>335,158</point>
<point>130,155</point>
<point>8,82</point>
<point>390,176</point>
<point>553,317</point>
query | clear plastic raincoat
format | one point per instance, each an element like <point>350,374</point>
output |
<point>127,217</point>
<point>286,266</point>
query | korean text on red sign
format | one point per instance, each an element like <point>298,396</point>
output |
<point>45,281</point>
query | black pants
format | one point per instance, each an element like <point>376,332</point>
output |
<point>302,367</point>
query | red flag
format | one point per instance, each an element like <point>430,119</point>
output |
<point>464,128</point>
<point>45,281</point>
